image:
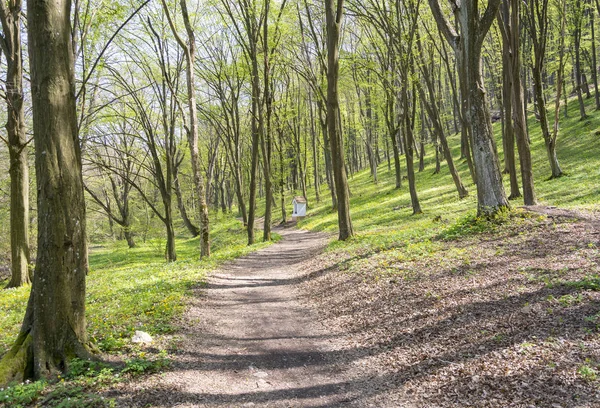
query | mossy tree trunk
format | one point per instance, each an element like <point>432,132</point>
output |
<point>53,330</point>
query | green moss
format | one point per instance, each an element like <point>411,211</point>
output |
<point>14,363</point>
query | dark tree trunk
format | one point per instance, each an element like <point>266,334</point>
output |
<point>334,15</point>
<point>537,20</point>
<point>577,72</point>
<point>490,190</point>
<point>53,330</point>
<point>408,139</point>
<point>10,16</point>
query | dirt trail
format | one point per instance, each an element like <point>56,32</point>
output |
<point>252,342</point>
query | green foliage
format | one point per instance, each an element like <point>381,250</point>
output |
<point>69,396</point>
<point>471,225</point>
<point>587,283</point>
<point>21,394</point>
<point>587,372</point>
<point>143,364</point>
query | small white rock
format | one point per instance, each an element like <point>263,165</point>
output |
<point>141,337</point>
<point>260,374</point>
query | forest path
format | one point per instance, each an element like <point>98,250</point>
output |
<point>251,341</point>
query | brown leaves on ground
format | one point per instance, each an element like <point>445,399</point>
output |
<point>508,318</point>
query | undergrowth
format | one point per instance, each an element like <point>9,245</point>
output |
<point>127,290</point>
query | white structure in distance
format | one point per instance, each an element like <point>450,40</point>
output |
<point>299,211</point>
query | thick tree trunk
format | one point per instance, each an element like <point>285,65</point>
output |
<point>129,237</point>
<point>53,329</point>
<point>333,16</point>
<point>490,190</point>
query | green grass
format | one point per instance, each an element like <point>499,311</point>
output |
<point>135,289</point>
<point>382,215</point>
<point>127,290</point>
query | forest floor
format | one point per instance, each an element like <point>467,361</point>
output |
<point>248,340</point>
<point>506,315</point>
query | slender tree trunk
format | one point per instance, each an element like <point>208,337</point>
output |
<point>334,15</point>
<point>315,151</point>
<point>408,139</point>
<point>577,66</point>
<point>328,162</point>
<point>594,58</point>
<point>510,24</point>
<point>255,146</point>
<point>193,229</point>
<point>10,16</point>
<point>538,29</point>
<point>266,129</point>
<point>189,50</point>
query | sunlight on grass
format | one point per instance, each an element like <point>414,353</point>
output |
<point>382,215</point>
<point>135,289</point>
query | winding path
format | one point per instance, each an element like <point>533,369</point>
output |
<point>251,342</point>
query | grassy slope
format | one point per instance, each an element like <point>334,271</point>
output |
<point>382,215</point>
<point>134,289</point>
<point>494,314</point>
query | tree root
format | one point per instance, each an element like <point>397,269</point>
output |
<point>17,364</point>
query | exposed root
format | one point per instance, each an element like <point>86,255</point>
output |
<point>17,364</point>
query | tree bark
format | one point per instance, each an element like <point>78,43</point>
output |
<point>490,191</point>
<point>510,28</point>
<point>53,329</point>
<point>10,40</point>
<point>333,17</point>
<point>537,19</point>
<point>189,50</point>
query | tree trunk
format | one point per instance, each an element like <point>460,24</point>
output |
<point>519,113</point>
<point>333,16</point>
<point>265,132</point>
<point>509,23</point>
<point>594,58</point>
<point>53,329</point>
<point>255,144</point>
<point>538,29</point>
<point>189,50</point>
<point>577,66</point>
<point>490,190</point>
<point>193,229</point>
<point>314,151</point>
<point>17,144</point>
<point>408,139</point>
